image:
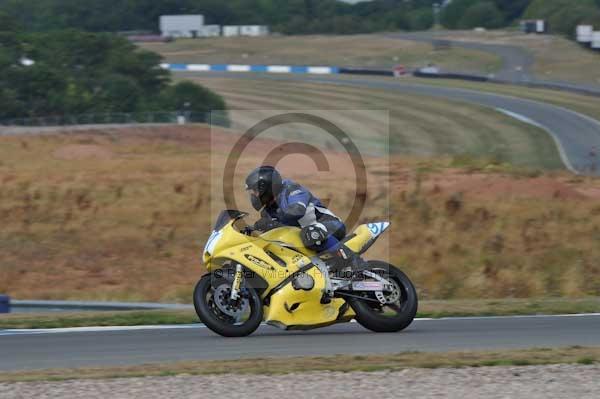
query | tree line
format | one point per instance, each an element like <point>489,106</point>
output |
<point>70,72</point>
<point>562,15</point>
<point>297,16</point>
<point>79,68</point>
<point>285,16</point>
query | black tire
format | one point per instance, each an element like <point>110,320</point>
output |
<point>370,317</point>
<point>218,323</point>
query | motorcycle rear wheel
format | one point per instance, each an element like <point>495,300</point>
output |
<point>215,318</point>
<point>390,317</point>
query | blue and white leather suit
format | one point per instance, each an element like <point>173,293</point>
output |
<point>296,206</point>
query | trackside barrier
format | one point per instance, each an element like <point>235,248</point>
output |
<point>42,305</point>
<point>116,118</point>
<point>458,76</point>
<point>363,71</point>
<point>300,69</point>
<point>329,70</point>
<point>534,84</point>
<point>4,304</point>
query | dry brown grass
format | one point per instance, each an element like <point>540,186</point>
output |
<point>344,363</point>
<point>124,216</point>
<point>496,236</point>
<point>347,50</point>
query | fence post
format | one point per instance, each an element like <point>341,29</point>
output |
<point>4,304</point>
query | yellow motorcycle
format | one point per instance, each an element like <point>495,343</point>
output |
<point>272,277</point>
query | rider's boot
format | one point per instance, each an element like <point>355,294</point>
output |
<point>343,262</point>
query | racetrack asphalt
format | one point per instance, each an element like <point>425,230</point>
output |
<point>516,61</point>
<point>576,135</point>
<point>22,350</point>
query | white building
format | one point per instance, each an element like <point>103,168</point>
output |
<point>534,26</point>
<point>596,40</point>
<point>231,30</point>
<point>245,30</point>
<point>584,33</point>
<point>193,26</point>
<point>210,31</point>
<point>181,25</point>
<point>254,30</point>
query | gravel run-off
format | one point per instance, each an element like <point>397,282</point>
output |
<point>531,382</point>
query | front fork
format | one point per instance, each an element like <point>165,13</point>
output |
<point>237,282</point>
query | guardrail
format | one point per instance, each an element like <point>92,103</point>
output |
<point>458,76</point>
<point>328,70</point>
<point>4,304</point>
<point>49,306</point>
<point>301,69</point>
<point>534,84</point>
<point>114,118</point>
<point>365,71</point>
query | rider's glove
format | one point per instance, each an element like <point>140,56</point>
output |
<point>266,224</point>
<point>247,230</point>
<point>314,236</point>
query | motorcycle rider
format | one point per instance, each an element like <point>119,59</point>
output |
<point>285,202</point>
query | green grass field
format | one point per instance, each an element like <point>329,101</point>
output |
<point>583,104</point>
<point>342,363</point>
<point>419,126</point>
<point>586,105</point>
<point>555,57</point>
<point>427,308</point>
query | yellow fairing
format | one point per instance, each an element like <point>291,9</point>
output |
<point>365,235</point>
<point>288,236</point>
<point>256,254</point>
<point>276,256</point>
<point>297,309</point>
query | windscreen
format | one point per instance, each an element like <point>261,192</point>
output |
<point>227,215</point>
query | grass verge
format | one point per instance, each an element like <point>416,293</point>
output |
<point>343,363</point>
<point>418,125</point>
<point>343,50</point>
<point>430,308</point>
<point>555,57</point>
<point>586,105</point>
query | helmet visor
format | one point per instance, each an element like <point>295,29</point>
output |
<point>254,191</point>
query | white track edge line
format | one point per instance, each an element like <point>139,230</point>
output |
<point>35,331</point>
<point>561,150</point>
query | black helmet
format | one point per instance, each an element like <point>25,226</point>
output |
<point>265,183</point>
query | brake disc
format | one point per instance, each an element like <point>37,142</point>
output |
<point>394,295</point>
<point>392,289</point>
<point>222,298</point>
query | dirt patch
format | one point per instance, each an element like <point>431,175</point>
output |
<point>486,186</point>
<point>75,152</point>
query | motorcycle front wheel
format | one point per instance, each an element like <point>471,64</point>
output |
<point>399,310</point>
<point>222,315</point>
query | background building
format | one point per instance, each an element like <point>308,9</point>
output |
<point>210,31</point>
<point>231,30</point>
<point>181,25</point>
<point>175,26</point>
<point>254,30</point>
